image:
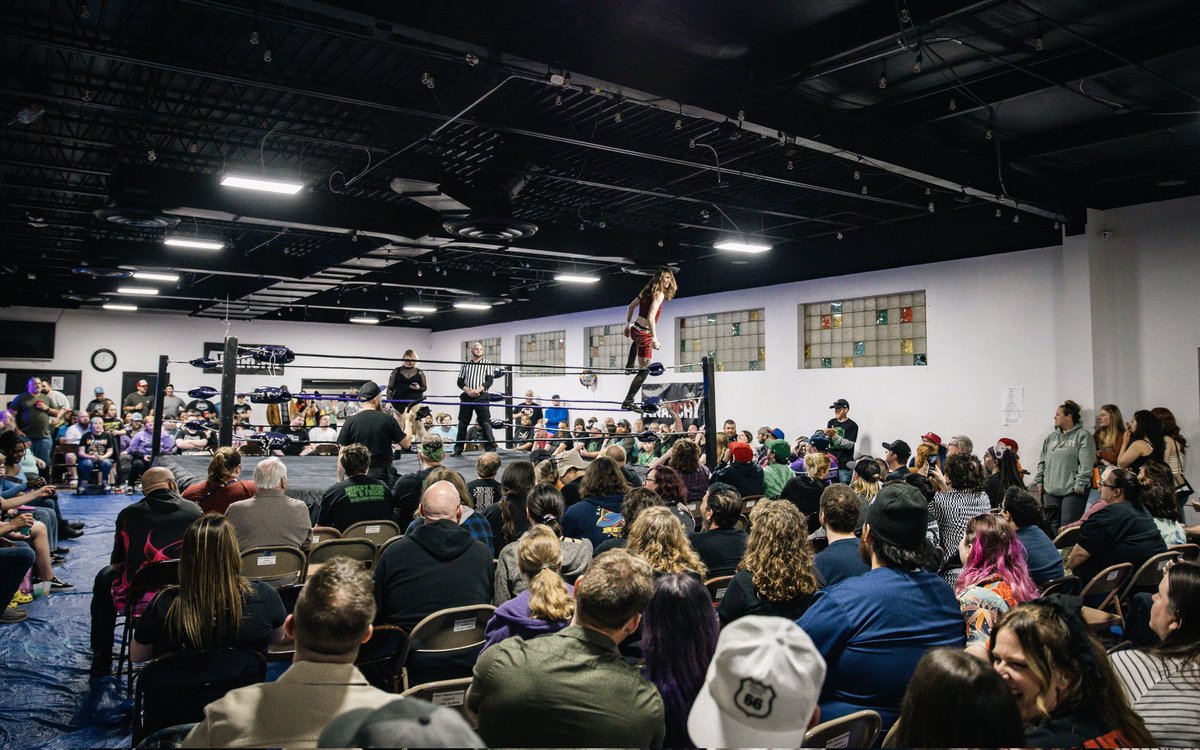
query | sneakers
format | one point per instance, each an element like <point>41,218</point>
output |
<point>56,584</point>
<point>77,525</point>
<point>60,551</point>
<point>69,532</point>
<point>12,615</point>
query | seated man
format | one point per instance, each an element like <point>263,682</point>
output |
<point>841,508</point>
<point>271,518</point>
<point>873,629</point>
<point>1023,511</point>
<point>1123,531</point>
<point>96,450</point>
<point>298,443</point>
<point>406,493</point>
<point>136,458</point>
<point>720,546</point>
<point>332,617</point>
<point>148,531</point>
<point>435,566</point>
<point>742,474</point>
<point>358,497</point>
<point>572,688</point>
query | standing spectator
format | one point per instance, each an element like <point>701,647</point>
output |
<point>675,665</point>
<point>959,444</point>
<point>222,487</point>
<point>957,700</point>
<point>1042,558</point>
<point>556,414</point>
<point>896,455</point>
<point>378,431</point>
<point>56,400</point>
<point>332,618</point>
<point>961,498</point>
<point>99,404</point>
<point>842,432</point>
<point>406,493</point>
<point>545,603</point>
<point>1120,532</point>
<point>1175,449</point>
<point>507,517</point>
<point>1064,471</point>
<point>543,508</point>
<point>32,414</point>
<point>474,378</point>
<point>742,474</point>
<point>96,450</point>
<point>148,531</point>
<point>1143,441</point>
<point>171,403</point>
<point>841,511</point>
<point>559,689</point>
<point>138,401</point>
<point>485,490</point>
<point>358,497</point>
<point>720,545</point>
<point>994,577</point>
<point>271,518</point>
<point>597,516</point>
<point>776,575</point>
<point>872,645</point>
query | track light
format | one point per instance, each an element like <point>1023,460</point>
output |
<point>558,100</point>
<point>999,213</point>
<point>617,116</point>
<point>917,64</point>
<point>857,175</point>
<point>988,134</point>
<point>267,56</point>
<point>254,37</point>
<point>1037,44</point>
<point>839,234</point>
<point>790,165</point>
<point>150,155</point>
<point>678,123</point>
<point>1016,218</point>
<point>931,207</point>
<point>864,190</point>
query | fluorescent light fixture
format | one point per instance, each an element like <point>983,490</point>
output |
<point>575,278</point>
<point>738,246</point>
<point>365,320</point>
<point>154,276</point>
<point>137,290</point>
<point>429,309</point>
<point>115,306</point>
<point>194,244</point>
<point>283,187</point>
<point>473,305</point>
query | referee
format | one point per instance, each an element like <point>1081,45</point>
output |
<point>474,379</point>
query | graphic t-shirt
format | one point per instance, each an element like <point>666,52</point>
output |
<point>356,498</point>
<point>96,445</point>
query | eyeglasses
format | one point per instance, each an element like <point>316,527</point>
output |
<point>1109,485</point>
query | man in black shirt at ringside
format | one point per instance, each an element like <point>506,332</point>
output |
<point>358,497</point>
<point>378,431</point>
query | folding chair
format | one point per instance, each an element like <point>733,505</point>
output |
<point>743,523</point>
<point>1101,619</point>
<point>858,729</point>
<point>1066,538</point>
<point>889,739</point>
<point>1147,576</point>
<point>325,533</point>
<point>383,547</point>
<point>175,688</point>
<point>717,588</point>
<point>355,549</point>
<point>377,532</point>
<point>377,657</point>
<point>289,593</point>
<point>59,468</point>
<point>448,693</point>
<point>1122,646</point>
<point>275,566</point>
<point>749,501</point>
<point>1062,585</point>
<point>457,631</point>
<point>151,578</point>
<point>1187,552</point>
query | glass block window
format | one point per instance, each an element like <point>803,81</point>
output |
<point>883,331</point>
<point>491,349</point>
<point>607,346</point>
<point>547,348</point>
<point>736,340</point>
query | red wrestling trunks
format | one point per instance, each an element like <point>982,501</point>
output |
<point>645,343</point>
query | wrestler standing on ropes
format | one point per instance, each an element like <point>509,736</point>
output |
<point>408,382</point>
<point>644,329</point>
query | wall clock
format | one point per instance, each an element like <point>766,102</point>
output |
<point>104,360</point>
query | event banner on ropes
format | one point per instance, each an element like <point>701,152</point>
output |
<point>689,398</point>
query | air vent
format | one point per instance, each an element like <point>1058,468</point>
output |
<point>97,272</point>
<point>492,229</point>
<point>83,298</point>
<point>136,217</point>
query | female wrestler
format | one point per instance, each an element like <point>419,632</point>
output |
<point>644,329</point>
<point>408,382</point>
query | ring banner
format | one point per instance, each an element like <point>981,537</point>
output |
<point>688,397</point>
<point>245,365</point>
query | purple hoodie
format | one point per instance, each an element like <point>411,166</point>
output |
<point>513,618</point>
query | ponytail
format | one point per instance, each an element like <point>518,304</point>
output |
<point>545,506</point>
<point>539,557</point>
<point>220,469</point>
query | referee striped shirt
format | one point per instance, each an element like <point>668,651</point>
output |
<point>1165,692</point>
<point>475,375</point>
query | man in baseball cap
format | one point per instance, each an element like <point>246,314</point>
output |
<point>872,645</point>
<point>742,473</point>
<point>842,432</point>
<point>761,689</point>
<point>896,454</point>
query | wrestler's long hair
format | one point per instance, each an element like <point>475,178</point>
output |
<point>663,282</point>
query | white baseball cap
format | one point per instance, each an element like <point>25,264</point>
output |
<point>761,688</point>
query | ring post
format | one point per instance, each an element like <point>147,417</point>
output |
<point>160,383</point>
<point>710,413</point>
<point>228,386</point>
<point>508,412</point>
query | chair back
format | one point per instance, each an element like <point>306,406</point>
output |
<point>1149,574</point>
<point>448,693</point>
<point>453,631</point>
<point>717,588</point>
<point>175,688</point>
<point>1108,582</point>
<point>355,549</point>
<point>276,566</point>
<point>155,575</point>
<point>749,501</point>
<point>858,729</point>
<point>288,594</point>
<point>1188,552</point>
<point>377,532</point>
<point>325,533</point>
<point>1068,585</point>
<point>378,656</point>
<point>1066,538</point>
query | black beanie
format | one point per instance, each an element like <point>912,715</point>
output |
<point>899,516</point>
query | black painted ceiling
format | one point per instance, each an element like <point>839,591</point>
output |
<point>850,135</point>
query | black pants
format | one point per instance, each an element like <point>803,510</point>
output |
<point>483,416</point>
<point>1061,510</point>
<point>384,472</point>
<point>104,616</point>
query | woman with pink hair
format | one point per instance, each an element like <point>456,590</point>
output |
<point>994,578</point>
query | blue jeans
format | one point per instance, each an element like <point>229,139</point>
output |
<point>87,465</point>
<point>15,562</point>
<point>41,447</point>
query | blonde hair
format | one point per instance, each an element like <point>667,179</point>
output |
<point>866,490</point>
<point>211,587</point>
<point>816,465</point>
<point>663,282</point>
<point>539,558</point>
<point>777,552</point>
<point>658,537</point>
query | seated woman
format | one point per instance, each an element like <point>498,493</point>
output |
<point>1067,693</point>
<point>507,517</point>
<point>960,497</point>
<point>686,458</point>
<point>972,705</point>
<point>1163,682</point>
<point>1158,497</point>
<point>544,508</point>
<point>776,575</point>
<point>545,605</point>
<point>669,485</point>
<point>659,538</point>
<point>677,665</point>
<point>213,606</point>
<point>222,488</point>
<point>994,577</point>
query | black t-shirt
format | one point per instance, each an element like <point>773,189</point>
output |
<point>742,599</point>
<point>262,612</point>
<point>1116,534</point>
<point>354,499</point>
<point>97,445</point>
<point>533,411</point>
<point>138,401</point>
<point>297,442</point>
<point>848,430</point>
<point>98,406</point>
<point>720,549</point>
<point>484,492</point>
<point>374,429</point>
<point>406,495</point>
<point>805,493</point>
<point>201,405</point>
<point>570,491</point>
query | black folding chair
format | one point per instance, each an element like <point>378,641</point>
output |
<point>175,688</point>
